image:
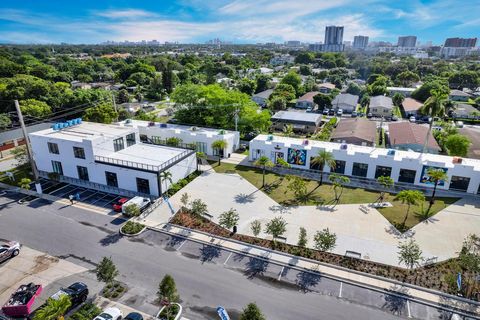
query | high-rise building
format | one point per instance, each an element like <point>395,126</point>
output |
<point>333,39</point>
<point>460,42</point>
<point>407,41</point>
<point>360,42</point>
<point>293,43</point>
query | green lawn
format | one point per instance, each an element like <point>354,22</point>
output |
<point>23,171</point>
<point>277,190</point>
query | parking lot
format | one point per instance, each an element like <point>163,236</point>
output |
<point>289,278</point>
<point>88,196</point>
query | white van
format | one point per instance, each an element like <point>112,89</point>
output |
<point>140,202</point>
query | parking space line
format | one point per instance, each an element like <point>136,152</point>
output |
<point>84,200</point>
<point>181,244</point>
<point>281,273</point>
<point>340,291</point>
<point>114,200</point>
<point>50,192</point>
<point>228,258</point>
<point>409,313</point>
<point>106,195</point>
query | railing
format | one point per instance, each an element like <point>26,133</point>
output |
<point>162,142</point>
<point>98,186</point>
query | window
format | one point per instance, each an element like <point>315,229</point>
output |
<point>53,148</point>
<point>359,169</point>
<point>339,167</point>
<point>143,138</point>
<point>118,144</point>
<point>143,186</point>
<point>201,147</point>
<point>111,178</point>
<point>157,140</point>
<point>131,139</point>
<point>459,183</point>
<point>383,171</point>
<point>82,173</point>
<point>407,176</point>
<point>79,152</point>
<point>57,167</point>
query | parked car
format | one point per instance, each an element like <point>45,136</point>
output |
<point>78,293</point>
<point>354,114</point>
<point>309,109</point>
<point>9,250</point>
<point>133,316</point>
<point>141,202</point>
<point>412,119</point>
<point>339,112</point>
<point>117,206</point>
<point>369,115</point>
<point>394,118</point>
<point>325,111</point>
<point>459,124</point>
<point>331,112</point>
<point>110,314</point>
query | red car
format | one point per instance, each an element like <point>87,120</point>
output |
<point>117,206</point>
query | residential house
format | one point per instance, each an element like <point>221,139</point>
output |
<point>411,107</point>
<point>326,87</point>
<point>381,106</point>
<point>80,85</point>
<point>411,136</point>
<point>345,101</point>
<point>301,121</point>
<point>457,95</point>
<point>465,111</point>
<point>306,101</point>
<point>261,98</point>
<point>406,92</point>
<point>359,131</point>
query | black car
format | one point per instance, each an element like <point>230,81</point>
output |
<point>78,293</point>
<point>133,316</point>
<point>331,112</point>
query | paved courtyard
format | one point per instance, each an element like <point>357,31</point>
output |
<point>358,227</point>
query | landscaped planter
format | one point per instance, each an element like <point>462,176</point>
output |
<point>171,317</point>
<point>132,229</point>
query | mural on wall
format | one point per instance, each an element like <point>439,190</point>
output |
<point>297,156</point>
<point>424,178</point>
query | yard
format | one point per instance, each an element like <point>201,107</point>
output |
<point>278,191</point>
<point>23,171</point>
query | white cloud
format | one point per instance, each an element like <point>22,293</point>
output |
<point>124,13</point>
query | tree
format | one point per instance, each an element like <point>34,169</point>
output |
<point>305,70</point>
<point>425,91</point>
<point>184,200</point>
<point>247,86</point>
<point>256,227</point>
<point>397,99</point>
<point>104,113</point>
<point>325,240</point>
<point>263,83</point>
<point>166,176</point>
<point>288,130</point>
<point>35,108</point>
<point>292,78</point>
<point>386,182</point>
<point>465,79</point>
<point>409,197</point>
<point>173,141</point>
<point>198,207</point>
<point>298,186</point>
<point>338,183</point>
<point>277,104</point>
<point>276,227</point>
<point>20,155</point>
<point>219,146</point>
<point>469,260</point>
<point>434,107</point>
<point>5,121</point>
<point>323,101</point>
<point>201,156</point>
<point>106,270</point>
<point>123,96</point>
<point>436,176</point>
<point>365,101</point>
<point>265,163</point>
<point>378,87</point>
<point>457,145</point>
<point>409,253</point>
<point>229,219</point>
<point>302,237</point>
<point>131,210</point>
<point>54,308</point>
<point>25,183</point>
<point>167,290</point>
<point>252,312</point>
<point>324,158</point>
<point>305,57</point>
<point>407,78</point>
<point>284,91</point>
<point>354,89</point>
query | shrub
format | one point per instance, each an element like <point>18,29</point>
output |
<point>132,227</point>
<point>132,210</point>
<point>87,312</point>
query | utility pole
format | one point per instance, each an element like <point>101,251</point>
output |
<point>29,148</point>
<point>236,117</point>
<point>114,105</point>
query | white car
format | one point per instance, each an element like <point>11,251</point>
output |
<point>412,119</point>
<point>110,314</point>
<point>9,250</point>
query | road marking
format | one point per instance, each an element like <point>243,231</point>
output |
<point>408,309</point>
<point>228,258</point>
<point>341,288</point>
<point>181,244</point>
<point>281,273</point>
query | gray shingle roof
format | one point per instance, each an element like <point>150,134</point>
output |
<point>381,101</point>
<point>298,116</point>
<point>346,98</point>
<point>264,94</point>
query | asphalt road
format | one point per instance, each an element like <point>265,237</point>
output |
<point>84,238</point>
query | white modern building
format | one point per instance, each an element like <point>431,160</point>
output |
<point>109,157</point>
<point>200,139</point>
<point>405,167</point>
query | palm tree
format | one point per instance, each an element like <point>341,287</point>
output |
<point>165,176</point>
<point>410,197</point>
<point>434,107</point>
<point>264,162</point>
<point>219,145</point>
<point>338,182</point>
<point>288,130</point>
<point>324,158</point>
<point>436,175</point>
<point>54,308</point>
<point>200,157</point>
<point>386,182</point>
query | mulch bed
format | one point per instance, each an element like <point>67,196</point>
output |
<point>440,276</point>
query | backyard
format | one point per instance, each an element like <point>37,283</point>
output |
<point>276,188</point>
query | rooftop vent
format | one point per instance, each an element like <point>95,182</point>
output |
<point>69,123</point>
<point>193,128</point>
<point>128,121</point>
<point>270,137</point>
<point>343,146</point>
<point>390,152</point>
<point>305,142</point>
<point>221,132</point>
<point>457,160</point>
<point>163,125</point>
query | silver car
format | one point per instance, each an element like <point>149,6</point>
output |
<point>9,250</point>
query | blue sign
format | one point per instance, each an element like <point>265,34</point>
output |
<point>223,313</point>
<point>459,281</point>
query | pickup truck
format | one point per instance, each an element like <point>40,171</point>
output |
<point>141,202</point>
<point>21,301</point>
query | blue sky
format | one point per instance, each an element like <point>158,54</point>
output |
<point>241,21</point>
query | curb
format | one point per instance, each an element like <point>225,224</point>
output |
<point>132,234</point>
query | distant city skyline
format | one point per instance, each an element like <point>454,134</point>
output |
<point>236,21</point>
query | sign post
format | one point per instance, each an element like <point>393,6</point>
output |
<point>223,313</point>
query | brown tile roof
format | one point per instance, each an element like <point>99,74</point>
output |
<point>357,127</point>
<point>308,96</point>
<point>410,104</point>
<point>327,85</point>
<point>410,133</point>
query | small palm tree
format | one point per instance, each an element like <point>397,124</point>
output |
<point>220,146</point>
<point>200,157</point>
<point>165,176</point>
<point>25,183</point>
<point>54,308</point>
<point>436,175</point>
<point>338,183</point>
<point>324,158</point>
<point>386,182</point>
<point>410,197</point>
<point>434,107</point>
<point>288,130</point>
<point>264,162</point>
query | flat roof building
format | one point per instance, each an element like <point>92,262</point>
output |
<point>301,121</point>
